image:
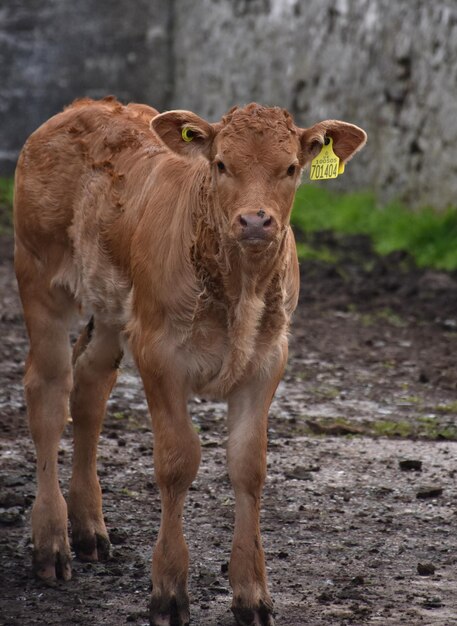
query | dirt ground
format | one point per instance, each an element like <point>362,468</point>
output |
<point>351,536</point>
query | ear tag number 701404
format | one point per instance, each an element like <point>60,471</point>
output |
<point>326,165</point>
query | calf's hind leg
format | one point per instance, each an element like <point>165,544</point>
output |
<point>96,358</point>
<point>47,382</point>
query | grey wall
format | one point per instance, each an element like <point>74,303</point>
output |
<point>53,51</point>
<point>390,67</point>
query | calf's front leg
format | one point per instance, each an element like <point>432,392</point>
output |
<point>176,461</point>
<point>246,455</point>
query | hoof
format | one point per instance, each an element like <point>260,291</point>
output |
<point>92,547</point>
<point>258,616</point>
<point>52,566</point>
<point>169,612</point>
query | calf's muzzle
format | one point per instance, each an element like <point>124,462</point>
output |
<point>256,226</point>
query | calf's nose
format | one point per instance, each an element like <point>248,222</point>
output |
<point>256,225</point>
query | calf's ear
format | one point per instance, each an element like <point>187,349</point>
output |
<point>347,139</point>
<point>185,133</point>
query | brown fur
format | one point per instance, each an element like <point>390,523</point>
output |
<point>116,215</point>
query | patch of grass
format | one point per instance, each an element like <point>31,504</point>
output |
<point>429,236</point>
<point>6,204</point>
<point>332,426</point>
<point>447,408</point>
<point>129,493</point>
<point>388,428</point>
<point>412,400</point>
<point>322,253</point>
<point>6,191</point>
<point>325,392</point>
<point>391,317</point>
<point>385,314</point>
<point>424,428</point>
<point>449,433</point>
<point>120,415</point>
<point>431,428</point>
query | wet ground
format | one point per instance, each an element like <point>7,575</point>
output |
<point>352,534</point>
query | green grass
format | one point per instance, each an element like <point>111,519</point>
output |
<point>387,428</point>
<point>422,428</point>
<point>311,253</point>
<point>6,204</point>
<point>428,235</point>
<point>6,191</point>
<point>447,408</point>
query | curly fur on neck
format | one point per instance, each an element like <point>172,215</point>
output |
<point>231,286</point>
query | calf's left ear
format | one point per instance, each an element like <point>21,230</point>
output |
<point>347,139</point>
<point>185,133</point>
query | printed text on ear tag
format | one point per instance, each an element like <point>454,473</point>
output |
<point>326,165</point>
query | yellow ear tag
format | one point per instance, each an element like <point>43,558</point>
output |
<point>326,165</point>
<point>187,134</point>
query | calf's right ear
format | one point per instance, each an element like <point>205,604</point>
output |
<point>185,133</point>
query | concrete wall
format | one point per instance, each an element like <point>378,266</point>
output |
<point>53,51</point>
<point>390,67</point>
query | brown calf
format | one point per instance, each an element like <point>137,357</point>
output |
<point>177,240</point>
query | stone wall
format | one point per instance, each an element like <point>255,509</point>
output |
<point>390,67</point>
<point>53,51</point>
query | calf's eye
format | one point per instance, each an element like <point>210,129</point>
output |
<point>220,166</point>
<point>291,170</point>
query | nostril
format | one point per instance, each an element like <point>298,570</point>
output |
<point>256,221</point>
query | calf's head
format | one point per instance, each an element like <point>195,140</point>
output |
<point>256,156</point>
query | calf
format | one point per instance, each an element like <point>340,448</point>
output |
<point>174,233</point>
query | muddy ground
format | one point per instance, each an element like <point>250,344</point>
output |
<point>372,381</point>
